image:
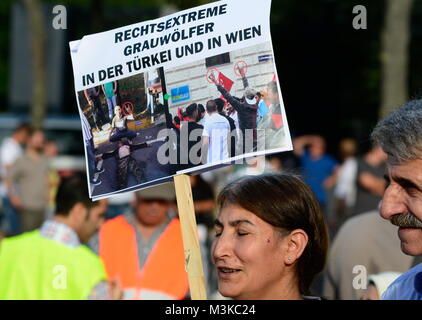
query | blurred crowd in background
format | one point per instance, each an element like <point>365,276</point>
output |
<point>348,185</point>
<point>336,81</point>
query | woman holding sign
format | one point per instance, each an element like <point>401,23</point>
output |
<point>271,238</point>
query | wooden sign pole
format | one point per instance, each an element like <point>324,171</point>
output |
<point>193,261</point>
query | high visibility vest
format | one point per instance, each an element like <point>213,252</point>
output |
<point>33,267</point>
<point>163,274</point>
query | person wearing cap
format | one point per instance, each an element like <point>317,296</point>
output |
<point>246,109</point>
<point>143,249</point>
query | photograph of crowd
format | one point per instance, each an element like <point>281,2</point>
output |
<point>227,107</point>
<point>152,125</point>
<point>121,120</point>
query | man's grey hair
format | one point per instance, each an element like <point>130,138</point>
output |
<point>400,133</point>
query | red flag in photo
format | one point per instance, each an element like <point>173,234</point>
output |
<point>275,77</point>
<point>227,83</point>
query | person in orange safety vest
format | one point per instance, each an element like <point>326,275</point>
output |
<point>143,250</point>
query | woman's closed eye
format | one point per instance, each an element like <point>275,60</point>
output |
<point>242,233</point>
<point>239,233</point>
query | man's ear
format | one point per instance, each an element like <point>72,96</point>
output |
<point>77,214</point>
<point>296,244</point>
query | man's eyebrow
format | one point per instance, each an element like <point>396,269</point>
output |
<point>406,183</point>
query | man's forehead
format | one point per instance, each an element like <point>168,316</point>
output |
<point>411,170</point>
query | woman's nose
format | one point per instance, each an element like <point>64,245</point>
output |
<point>221,247</point>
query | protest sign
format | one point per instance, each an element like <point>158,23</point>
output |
<point>130,82</point>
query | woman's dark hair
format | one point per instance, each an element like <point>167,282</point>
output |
<point>285,202</point>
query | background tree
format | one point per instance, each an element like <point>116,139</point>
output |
<point>395,55</point>
<point>38,38</point>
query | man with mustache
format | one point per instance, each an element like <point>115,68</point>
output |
<point>400,136</point>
